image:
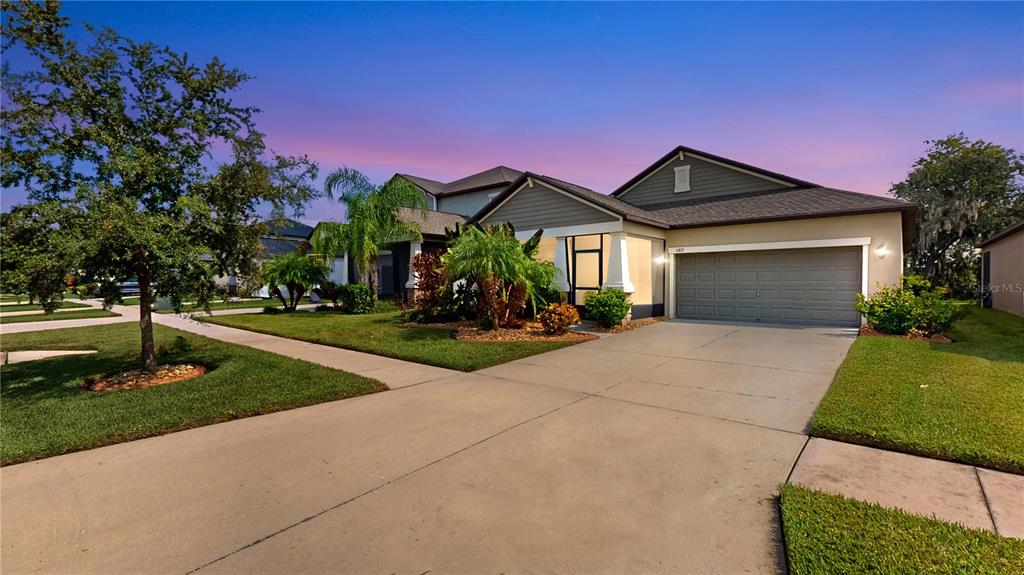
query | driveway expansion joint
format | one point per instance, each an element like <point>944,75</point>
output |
<point>383,485</point>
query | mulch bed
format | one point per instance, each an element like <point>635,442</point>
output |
<point>138,379</point>
<point>913,335</point>
<point>531,331</point>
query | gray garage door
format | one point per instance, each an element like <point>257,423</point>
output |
<point>806,286</point>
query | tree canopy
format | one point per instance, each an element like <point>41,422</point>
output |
<point>119,137</point>
<point>965,191</point>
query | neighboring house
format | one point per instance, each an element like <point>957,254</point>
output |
<point>447,204</point>
<point>282,237</point>
<point>1002,270</point>
<point>700,236</point>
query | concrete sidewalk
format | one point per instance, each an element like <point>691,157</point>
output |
<point>973,496</point>
<point>391,372</point>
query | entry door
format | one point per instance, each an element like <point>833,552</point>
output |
<point>804,286</point>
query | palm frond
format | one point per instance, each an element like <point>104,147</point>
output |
<point>347,182</point>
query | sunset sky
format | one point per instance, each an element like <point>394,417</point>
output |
<point>840,94</point>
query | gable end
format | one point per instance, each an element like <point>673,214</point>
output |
<point>535,204</point>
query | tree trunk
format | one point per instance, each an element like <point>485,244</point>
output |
<point>146,320</point>
<point>277,292</point>
<point>371,280</point>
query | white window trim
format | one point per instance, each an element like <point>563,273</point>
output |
<point>681,186</point>
<point>787,245</point>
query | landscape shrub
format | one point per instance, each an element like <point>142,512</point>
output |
<point>913,304</point>
<point>437,300</point>
<point>935,312</point>
<point>557,318</point>
<point>890,310</point>
<point>272,309</point>
<point>355,298</point>
<point>607,307</point>
<point>329,291</point>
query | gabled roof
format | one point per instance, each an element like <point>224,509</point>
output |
<point>714,158</point>
<point>288,228</point>
<point>618,207</point>
<point>431,223</point>
<point>279,246</point>
<point>1003,234</point>
<point>785,204</point>
<point>496,176</point>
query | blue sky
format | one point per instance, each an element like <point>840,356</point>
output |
<point>842,94</point>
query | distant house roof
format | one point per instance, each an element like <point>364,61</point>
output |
<point>1003,234</point>
<point>785,204</point>
<point>430,223</point>
<point>788,180</point>
<point>279,246</point>
<point>289,228</point>
<point>285,236</point>
<point>496,176</point>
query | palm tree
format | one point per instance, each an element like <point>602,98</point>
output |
<point>373,219</point>
<point>504,269</point>
<point>295,271</point>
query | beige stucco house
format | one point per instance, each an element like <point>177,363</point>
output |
<point>1002,270</point>
<point>700,236</point>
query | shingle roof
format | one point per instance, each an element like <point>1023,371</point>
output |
<point>430,223</point>
<point>280,246</point>
<point>496,176</point>
<point>289,228</point>
<point>1003,233</point>
<point>771,205</point>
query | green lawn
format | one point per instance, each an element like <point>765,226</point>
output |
<point>82,314</point>
<point>46,413</point>
<point>248,304</point>
<point>828,534</point>
<point>961,402</point>
<point>8,307</point>
<point>383,334</point>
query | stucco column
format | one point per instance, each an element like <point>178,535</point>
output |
<point>561,257</point>
<point>618,264</point>
<point>414,280</point>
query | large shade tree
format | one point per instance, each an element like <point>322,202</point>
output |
<point>120,135</point>
<point>374,219</point>
<point>966,191</point>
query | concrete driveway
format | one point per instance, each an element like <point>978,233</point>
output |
<point>654,451</point>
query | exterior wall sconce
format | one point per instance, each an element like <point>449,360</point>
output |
<point>881,251</point>
<point>660,260</point>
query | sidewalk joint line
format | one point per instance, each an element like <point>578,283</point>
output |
<point>382,485</point>
<point>984,496</point>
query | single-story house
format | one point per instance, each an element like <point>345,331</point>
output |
<point>700,236</point>
<point>1002,270</point>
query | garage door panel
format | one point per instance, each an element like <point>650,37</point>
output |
<point>815,286</point>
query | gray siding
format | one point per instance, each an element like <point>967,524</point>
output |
<point>541,207</point>
<point>466,204</point>
<point>706,180</point>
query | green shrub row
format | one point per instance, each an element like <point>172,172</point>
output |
<point>912,305</point>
